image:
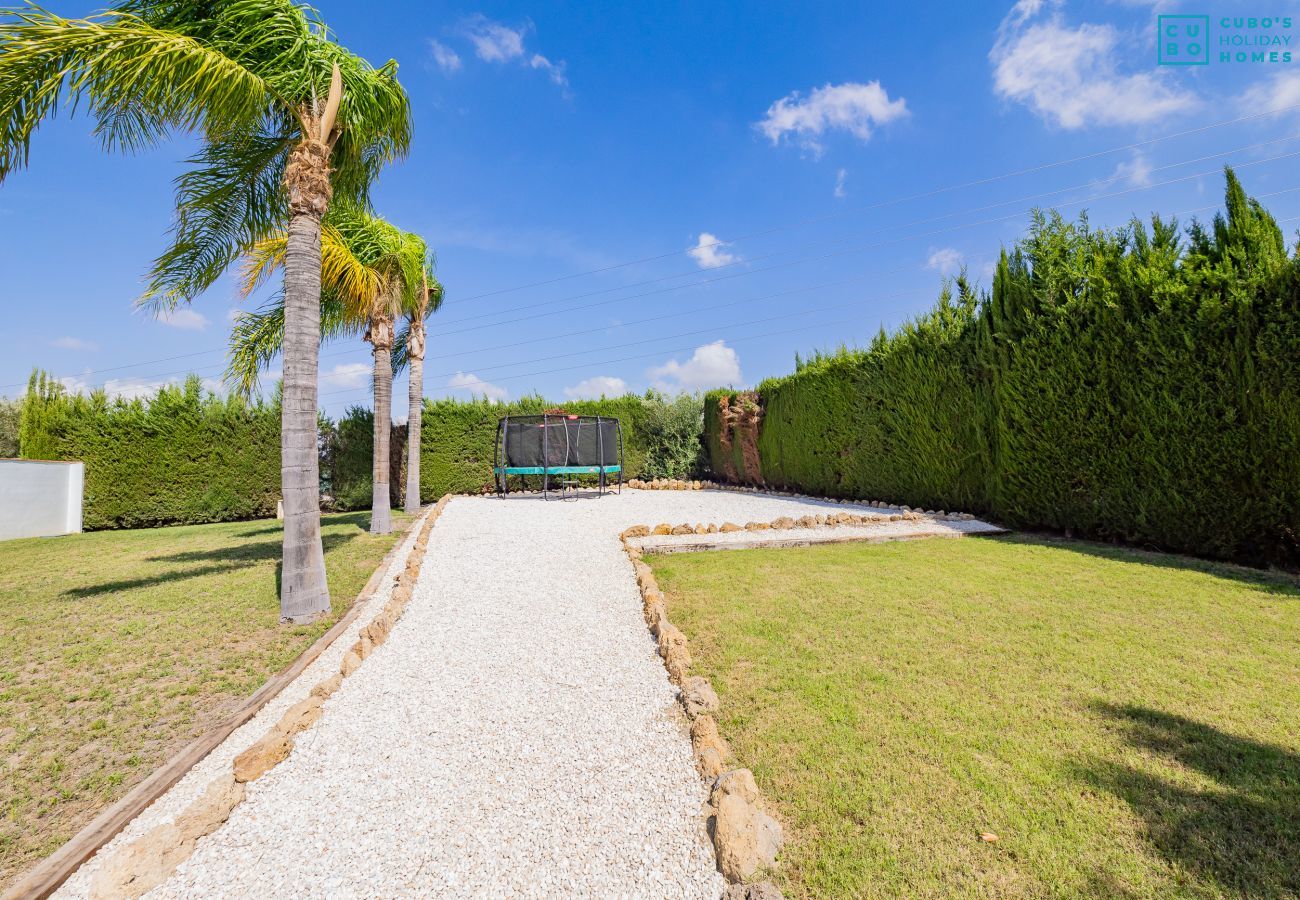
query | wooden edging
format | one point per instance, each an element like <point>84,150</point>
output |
<point>46,876</point>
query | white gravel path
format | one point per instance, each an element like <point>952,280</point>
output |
<point>516,735</point>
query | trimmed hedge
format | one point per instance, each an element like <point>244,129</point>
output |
<point>346,465</point>
<point>185,457</point>
<point>1117,384</point>
<point>182,457</point>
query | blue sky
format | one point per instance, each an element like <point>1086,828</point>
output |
<point>762,159</point>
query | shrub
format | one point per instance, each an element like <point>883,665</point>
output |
<point>10,411</point>
<point>671,430</point>
<point>346,460</point>
<point>181,457</point>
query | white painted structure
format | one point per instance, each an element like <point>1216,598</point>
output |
<point>40,498</point>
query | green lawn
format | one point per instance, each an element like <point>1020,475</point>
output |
<point>1127,724</point>
<point>119,647</point>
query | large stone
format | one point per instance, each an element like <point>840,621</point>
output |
<point>301,716</point>
<point>149,861</point>
<point>678,663</point>
<point>698,697</point>
<point>663,528</point>
<point>655,617</point>
<point>351,662</point>
<point>710,762</point>
<point>670,636</point>
<point>783,522</point>
<point>756,526</point>
<point>704,736</point>
<point>745,837</point>
<point>257,760</point>
<point>328,686</point>
<point>729,527</point>
<point>683,529</point>
<point>636,531</point>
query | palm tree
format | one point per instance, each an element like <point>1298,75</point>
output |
<point>371,273</point>
<point>288,119</point>
<point>410,351</point>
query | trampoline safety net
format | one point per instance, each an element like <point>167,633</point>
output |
<point>555,445</point>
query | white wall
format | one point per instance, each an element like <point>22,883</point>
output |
<point>39,499</point>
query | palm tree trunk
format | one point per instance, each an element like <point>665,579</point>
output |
<point>415,407</point>
<point>304,592</point>
<point>381,336</point>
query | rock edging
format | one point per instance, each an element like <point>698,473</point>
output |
<point>746,838</point>
<point>149,860</point>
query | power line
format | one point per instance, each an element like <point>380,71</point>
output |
<point>853,249</point>
<point>892,202</point>
<point>657,353</point>
<point>707,281</point>
<point>928,219</point>
<point>612,361</point>
<point>349,351</point>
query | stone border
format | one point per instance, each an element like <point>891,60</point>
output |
<point>746,839</point>
<point>678,484</point>
<point>148,861</point>
<point>788,523</point>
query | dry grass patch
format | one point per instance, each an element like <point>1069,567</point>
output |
<point>120,647</point>
<point>1124,723</point>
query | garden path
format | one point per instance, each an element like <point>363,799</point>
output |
<point>516,734</point>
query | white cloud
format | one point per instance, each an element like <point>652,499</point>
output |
<point>595,387</point>
<point>494,42</point>
<point>133,388</point>
<point>73,343</point>
<point>1135,172</point>
<point>710,366</point>
<point>447,59</point>
<point>708,252</point>
<point>347,375</point>
<point>945,260</point>
<point>554,70</point>
<point>852,107</point>
<point>840,177</point>
<point>1277,93</point>
<point>185,318</point>
<point>472,384</point>
<point>1070,76</point>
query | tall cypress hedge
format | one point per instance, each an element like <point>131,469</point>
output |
<point>182,456</point>
<point>1130,384</point>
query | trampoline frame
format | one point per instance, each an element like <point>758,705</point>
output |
<point>501,472</point>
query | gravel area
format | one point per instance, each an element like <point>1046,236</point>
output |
<point>516,735</point>
<point>189,788</point>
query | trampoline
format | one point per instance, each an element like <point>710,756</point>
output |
<point>559,446</point>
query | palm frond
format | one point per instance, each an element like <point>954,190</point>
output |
<point>228,201</point>
<point>138,81</point>
<point>257,337</point>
